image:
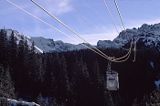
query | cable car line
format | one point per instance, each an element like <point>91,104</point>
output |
<point>36,17</point>
<point>119,13</point>
<point>67,27</point>
<point>51,26</point>
<point>107,7</point>
<point>111,16</point>
<point>135,51</point>
<point>74,32</point>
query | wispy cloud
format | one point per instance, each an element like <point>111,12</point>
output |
<point>58,7</point>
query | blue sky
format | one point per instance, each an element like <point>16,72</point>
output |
<point>88,17</point>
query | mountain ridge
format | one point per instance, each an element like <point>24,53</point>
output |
<point>147,34</point>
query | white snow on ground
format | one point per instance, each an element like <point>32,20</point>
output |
<point>157,83</point>
<point>152,64</point>
<point>14,102</point>
<point>37,48</point>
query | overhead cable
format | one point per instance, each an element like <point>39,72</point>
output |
<point>51,26</point>
<point>119,13</point>
<point>71,30</point>
<point>111,16</point>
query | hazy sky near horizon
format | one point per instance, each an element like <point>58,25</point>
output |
<point>88,17</point>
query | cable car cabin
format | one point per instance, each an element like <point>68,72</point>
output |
<point>112,82</point>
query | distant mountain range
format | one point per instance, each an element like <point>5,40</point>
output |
<point>149,35</point>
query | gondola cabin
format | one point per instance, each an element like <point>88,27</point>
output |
<point>112,83</point>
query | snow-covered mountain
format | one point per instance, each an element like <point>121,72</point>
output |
<point>43,45</point>
<point>19,37</point>
<point>149,35</point>
<point>49,45</point>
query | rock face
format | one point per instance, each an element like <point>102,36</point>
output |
<point>149,35</point>
<point>49,45</point>
<point>107,44</point>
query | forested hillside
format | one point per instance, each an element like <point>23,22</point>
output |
<point>76,78</point>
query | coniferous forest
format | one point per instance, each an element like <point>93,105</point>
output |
<point>76,78</point>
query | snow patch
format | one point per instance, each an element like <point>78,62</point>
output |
<point>157,83</point>
<point>14,102</point>
<point>107,44</point>
<point>40,50</point>
<point>152,64</point>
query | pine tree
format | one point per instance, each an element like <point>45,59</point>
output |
<point>6,84</point>
<point>12,50</point>
<point>20,71</point>
<point>32,48</point>
<point>3,47</point>
<point>21,50</point>
<point>40,100</point>
<point>61,78</point>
